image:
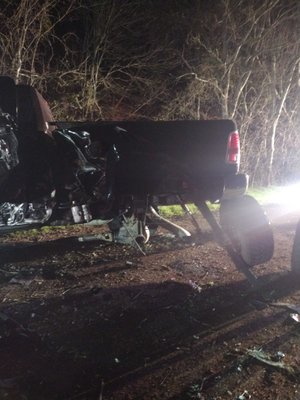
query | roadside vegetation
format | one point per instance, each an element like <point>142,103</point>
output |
<point>264,195</point>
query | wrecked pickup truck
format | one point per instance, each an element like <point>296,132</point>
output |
<point>120,173</point>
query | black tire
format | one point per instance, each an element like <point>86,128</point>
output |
<point>248,228</point>
<point>295,261</point>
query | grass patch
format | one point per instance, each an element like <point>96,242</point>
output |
<point>35,233</point>
<point>176,210</point>
<point>264,195</point>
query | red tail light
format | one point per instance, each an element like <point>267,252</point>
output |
<point>233,148</point>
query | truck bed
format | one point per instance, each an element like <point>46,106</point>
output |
<point>168,156</point>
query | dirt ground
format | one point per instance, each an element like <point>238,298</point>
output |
<point>101,321</point>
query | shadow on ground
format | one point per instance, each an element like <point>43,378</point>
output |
<point>118,335</point>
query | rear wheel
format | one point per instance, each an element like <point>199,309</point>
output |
<point>248,228</point>
<point>295,262</point>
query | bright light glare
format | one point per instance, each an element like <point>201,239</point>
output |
<point>288,196</point>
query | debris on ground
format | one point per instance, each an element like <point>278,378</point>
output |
<point>148,332</point>
<point>195,286</point>
<point>295,317</point>
<point>295,308</point>
<point>270,360</point>
<point>21,281</point>
<point>292,307</point>
<point>244,396</point>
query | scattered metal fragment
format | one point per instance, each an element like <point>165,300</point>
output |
<point>20,281</point>
<point>194,391</point>
<point>280,355</point>
<point>244,396</point>
<point>266,358</point>
<point>196,287</point>
<point>292,307</point>
<point>295,317</point>
<point>239,368</point>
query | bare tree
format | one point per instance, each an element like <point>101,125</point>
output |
<point>120,65</point>
<point>25,38</point>
<point>233,59</point>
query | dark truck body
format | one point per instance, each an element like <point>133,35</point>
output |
<point>120,172</point>
<point>170,157</point>
<point>154,157</point>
